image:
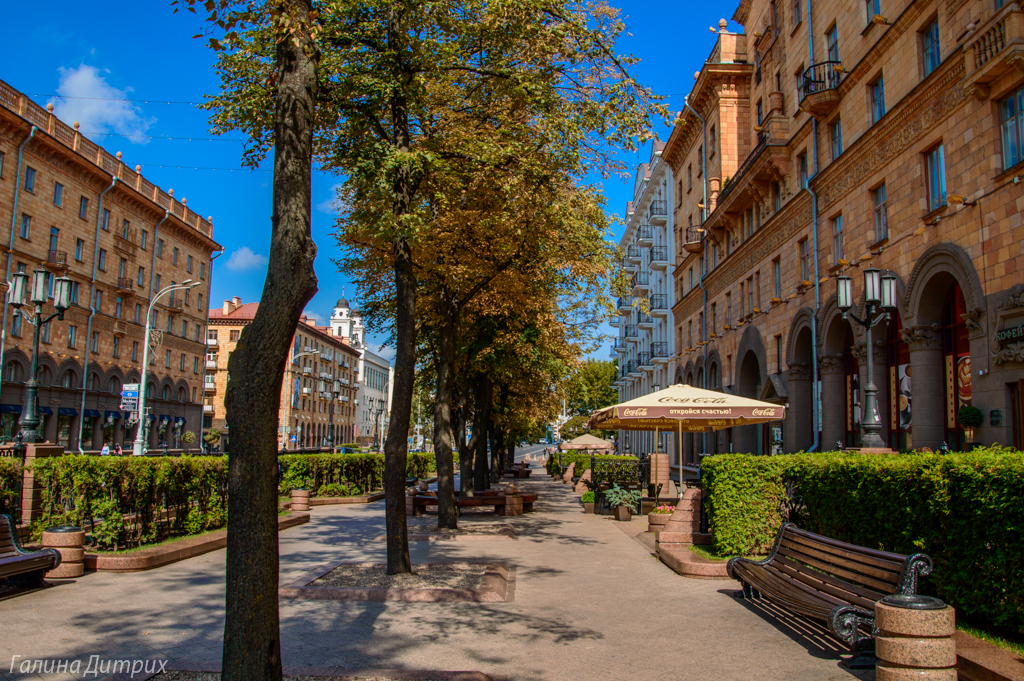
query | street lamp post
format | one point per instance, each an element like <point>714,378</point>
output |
<point>879,301</point>
<point>335,394</point>
<point>39,295</point>
<point>141,413</point>
<point>377,407</point>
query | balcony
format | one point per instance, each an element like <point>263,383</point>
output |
<point>644,236</point>
<point>659,305</point>
<point>614,322</point>
<point>307,391</point>
<point>120,328</point>
<point>994,48</point>
<point>212,342</point>
<point>619,345</point>
<point>209,387</point>
<point>659,258</point>
<point>628,266</point>
<point>659,353</point>
<point>633,254</point>
<point>175,304</point>
<point>625,305</point>
<point>694,240</point>
<point>207,408</point>
<point>632,335</point>
<point>658,211</point>
<point>125,287</point>
<point>644,361</point>
<point>211,364</point>
<point>124,245</point>
<point>308,371</point>
<point>644,321</point>
<point>819,88</point>
<point>634,369</point>
<point>641,283</point>
<point>56,261</point>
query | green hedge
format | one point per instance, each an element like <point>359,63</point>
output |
<point>131,501</point>
<point>343,474</point>
<point>10,482</point>
<point>965,510</point>
<point>581,460</point>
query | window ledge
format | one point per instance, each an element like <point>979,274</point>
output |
<point>1010,172</point>
<point>878,244</point>
<point>937,213</point>
<point>797,25</point>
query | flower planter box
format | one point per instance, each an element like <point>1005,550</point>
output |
<point>588,507</point>
<point>623,513</point>
<point>657,521</point>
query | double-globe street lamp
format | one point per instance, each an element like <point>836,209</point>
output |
<point>137,447</point>
<point>879,301</point>
<point>377,407</point>
<point>30,420</point>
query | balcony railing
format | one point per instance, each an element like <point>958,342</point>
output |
<point>641,279</point>
<point>659,301</point>
<point>693,240</point>
<point>125,283</point>
<point>57,258</point>
<point>762,143</point>
<point>659,349</point>
<point>175,304</point>
<point>643,359</point>
<point>820,77</point>
<point>625,303</point>
<point>631,331</point>
<point>633,252</point>
<point>643,318</point>
<point>658,209</point>
<point>659,254</point>
<point>644,232</point>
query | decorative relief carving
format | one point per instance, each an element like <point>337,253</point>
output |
<point>1015,298</point>
<point>800,370</point>
<point>952,6</point>
<point>920,337</point>
<point>831,364</point>
<point>858,352</point>
<point>1013,352</point>
<point>972,319</point>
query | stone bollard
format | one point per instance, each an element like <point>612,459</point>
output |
<point>915,639</point>
<point>684,521</point>
<point>513,505</point>
<point>581,486</point>
<point>569,473</point>
<point>300,499</point>
<point>68,541</point>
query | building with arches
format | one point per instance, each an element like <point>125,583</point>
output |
<point>78,211</point>
<point>376,376</point>
<point>847,139</point>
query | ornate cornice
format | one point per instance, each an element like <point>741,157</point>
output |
<point>921,337</point>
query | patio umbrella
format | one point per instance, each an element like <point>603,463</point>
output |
<point>587,441</point>
<point>683,408</point>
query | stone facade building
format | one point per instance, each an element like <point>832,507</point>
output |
<point>77,210</point>
<point>318,396</point>
<point>645,345</point>
<point>841,135</point>
<point>376,377</point>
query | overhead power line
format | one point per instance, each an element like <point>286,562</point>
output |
<point>165,137</point>
<point>113,99</point>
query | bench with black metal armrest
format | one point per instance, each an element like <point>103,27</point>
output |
<point>21,567</point>
<point>832,582</point>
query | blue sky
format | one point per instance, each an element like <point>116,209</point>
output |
<point>92,49</point>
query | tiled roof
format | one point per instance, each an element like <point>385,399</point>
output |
<point>246,311</point>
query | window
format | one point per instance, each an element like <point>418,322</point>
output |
<point>777,191</point>
<point>802,161</point>
<point>126,228</point>
<point>714,318</point>
<point>166,392</point>
<point>690,287</point>
<point>142,275</point>
<point>1011,123</point>
<point>835,136</point>
<point>188,264</point>
<point>74,293</point>
<point>122,268</point>
<point>181,365</point>
<point>99,301</point>
<point>102,265</point>
<point>711,141</point>
<point>700,155</point>
<point>777,272</point>
<point>750,295</point>
<point>79,250</point>
<point>118,306</point>
<point>742,313</point>
<point>837,239</point>
<point>30,179</point>
<point>881,214</point>
<point>68,380</point>
<point>170,323</point>
<point>95,345</point>
<point>138,313</point>
<point>714,256</point>
<point>184,328</point>
<point>58,194</point>
<point>233,335</point>
<point>202,270</point>
<point>872,7</point>
<point>728,308</point>
<point>167,363</point>
<point>936,169</point>
<point>160,248</point>
<point>689,334</point>
<point>135,351</point>
<point>117,347</point>
<point>760,112</point>
<point>930,47</point>
<point>832,43</point>
<point>211,334</point>
<point>174,256</point>
<point>877,100</point>
<point>689,178</point>
<point>199,304</point>
<point>106,220</point>
<point>26,226</point>
<point>83,207</point>
<point>187,292</point>
<point>44,332</point>
<point>1,164</point>
<point>778,354</point>
<point>16,325</point>
<point>142,239</point>
<point>156,283</point>
<point>796,11</point>
<point>198,332</point>
<point>54,238</point>
<point>804,250</point>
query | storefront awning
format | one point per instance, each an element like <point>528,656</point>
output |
<point>164,418</point>
<point>10,408</point>
<point>92,414</point>
<point>112,414</point>
<point>46,410</point>
<point>67,411</point>
<point>127,415</point>
<point>179,420</point>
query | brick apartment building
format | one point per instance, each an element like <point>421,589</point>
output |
<point>319,393</point>
<point>840,134</point>
<point>77,210</point>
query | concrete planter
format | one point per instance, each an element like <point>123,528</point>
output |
<point>300,499</point>
<point>68,541</point>
<point>657,521</point>
<point>623,513</point>
<point>588,507</point>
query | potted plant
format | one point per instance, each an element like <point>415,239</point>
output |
<point>970,418</point>
<point>659,517</point>
<point>623,501</point>
<point>588,501</point>
<point>188,437</point>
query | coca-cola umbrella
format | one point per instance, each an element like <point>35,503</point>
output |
<point>685,409</point>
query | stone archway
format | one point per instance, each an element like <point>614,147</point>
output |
<point>748,384</point>
<point>799,426</point>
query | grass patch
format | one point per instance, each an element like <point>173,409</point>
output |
<point>711,553</point>
<point>1014,646</point>
<point>168,540</point>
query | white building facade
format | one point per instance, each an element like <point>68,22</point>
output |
<point>376,377</point>
<point>644,347</point>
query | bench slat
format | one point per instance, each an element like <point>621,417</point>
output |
<point>800,601</point>
<point>895,560</point>
<point>831,569</point>
<point>851,593</point>
<point>840,562</point>
<point>894,567</point>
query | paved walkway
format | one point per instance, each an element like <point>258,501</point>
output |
<point>590,603</point>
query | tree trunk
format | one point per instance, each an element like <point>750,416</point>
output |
<point>466,450</point>
<point>252,643</point>
<point>495,438</point>
<point>447,511</point>
<point>480,423</point>
<point>396,446</point>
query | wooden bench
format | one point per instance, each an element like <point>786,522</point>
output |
<point>832,582</point>
<point>420,503</point>
<point>24,568</point>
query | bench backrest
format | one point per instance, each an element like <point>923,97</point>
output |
<point>8,547</point>
<point>847,571</point>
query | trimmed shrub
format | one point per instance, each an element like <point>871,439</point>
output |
<point>131,501</point>
<point>10,482</point>
<point>965,510</point>
<point>329,475</point>
<point>582,461</point>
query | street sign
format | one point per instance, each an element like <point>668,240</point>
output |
<point>130,397</point>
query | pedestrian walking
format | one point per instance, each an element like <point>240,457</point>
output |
<point>106,450</point>
<point>117,449</point>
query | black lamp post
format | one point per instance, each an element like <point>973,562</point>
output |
<point>39,295</point>
<point>879,301</point>
<point>377,406</point>
<point>334,398</point>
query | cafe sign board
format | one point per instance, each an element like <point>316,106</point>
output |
<point>1011,333</point>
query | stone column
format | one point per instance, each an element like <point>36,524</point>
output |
<point>798,433</point>
<point>833,401</point>
<point>927,386</point>
<point>915,639</point>
<point>31,489</point>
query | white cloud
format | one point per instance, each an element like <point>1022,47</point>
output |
<point>244,259</point>
<point>331,204</point>
<point>384,351</point>
<point>100,114</point>
<point>315,317</point>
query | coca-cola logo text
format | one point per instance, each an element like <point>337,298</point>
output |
<point>762,412</point>
<point>635,412</point>
<point>694,400</point>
